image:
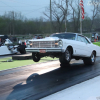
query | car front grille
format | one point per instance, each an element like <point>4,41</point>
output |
<point>43,44</point>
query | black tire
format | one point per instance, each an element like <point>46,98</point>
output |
<point>90,60</point>
<point>21,49</point>
<point>35,57</point>
<point>65,57</point>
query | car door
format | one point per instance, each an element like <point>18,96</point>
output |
<point>82,48</point>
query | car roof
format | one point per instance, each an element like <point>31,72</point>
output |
<point>38,34</point>
<point>66,33</point>
<point>69,33</point>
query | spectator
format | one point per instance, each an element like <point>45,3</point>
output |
<point>96,37</point>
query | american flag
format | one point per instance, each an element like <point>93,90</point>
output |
<point>82,8</point>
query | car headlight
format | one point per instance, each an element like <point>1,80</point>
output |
<point>30,43</point>
<point>59,43</point>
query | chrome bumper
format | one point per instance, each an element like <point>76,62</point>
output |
<point>46,49</point>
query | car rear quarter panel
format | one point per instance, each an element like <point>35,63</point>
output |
<point>97,49</point>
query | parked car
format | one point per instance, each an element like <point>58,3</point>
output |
<point>7,46</point>
<point>38,36</point>
<point>64,46</point>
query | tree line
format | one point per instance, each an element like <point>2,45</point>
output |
<point>65,17</point>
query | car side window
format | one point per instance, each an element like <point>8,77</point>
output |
<point>78,38</point>
<point>86,41</point>
<point>82,39</point>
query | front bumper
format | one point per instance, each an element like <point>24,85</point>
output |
<point>46,49</point>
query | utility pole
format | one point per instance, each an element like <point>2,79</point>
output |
<point>66,15</point>
<point>50,17</point>
<point>13,22</point>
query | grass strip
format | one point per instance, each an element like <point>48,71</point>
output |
<point>96,43</point>
<point>5,64</point>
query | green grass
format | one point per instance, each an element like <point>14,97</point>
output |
<point>97,43</point>
<point>17,63</point>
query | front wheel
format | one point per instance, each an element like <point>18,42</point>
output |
<point>90,60</point>
<point>65,57</point>
<point>35,57</point>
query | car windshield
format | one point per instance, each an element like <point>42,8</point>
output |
<point>64,36</point>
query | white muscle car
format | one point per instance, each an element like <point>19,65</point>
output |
<point>64,46</point>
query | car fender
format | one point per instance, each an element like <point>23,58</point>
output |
<point>67,43</point>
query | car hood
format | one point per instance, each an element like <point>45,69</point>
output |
<point>46,39</point>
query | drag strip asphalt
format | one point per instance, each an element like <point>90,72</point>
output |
<point>39,80</point>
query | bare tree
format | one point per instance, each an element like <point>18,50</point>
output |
<point>75,14</point>
<point>95,11</point>
<point>59,13</point>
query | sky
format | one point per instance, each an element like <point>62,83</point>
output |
<point>28,8</point>
<point>31,8</point>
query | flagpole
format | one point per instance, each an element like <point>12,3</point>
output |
<point>80,21</point>
<point>81,14</point>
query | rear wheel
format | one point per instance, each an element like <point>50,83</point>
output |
<point>35,57</point>
<point>90,60</point>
